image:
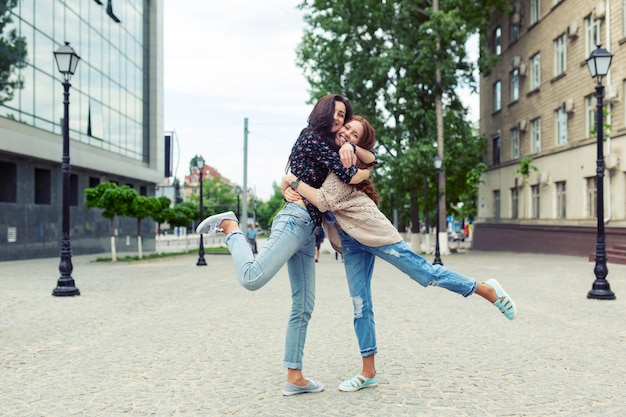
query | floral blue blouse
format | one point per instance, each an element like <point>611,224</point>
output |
<point>311,160</point>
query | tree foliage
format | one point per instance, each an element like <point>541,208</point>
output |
<point>161,214</point>
<point>13,53</point>
<point>383,56</point>
<point>183,214</point>
<point>114,201</point>
<point>217,195</point>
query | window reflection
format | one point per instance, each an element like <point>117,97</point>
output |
<point>107,90</point>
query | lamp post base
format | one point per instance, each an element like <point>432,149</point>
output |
<point>201,261</point>
<point>601,290</point>
<point>65,288</point>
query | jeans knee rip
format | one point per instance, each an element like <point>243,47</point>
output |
<point>358,306</point>
<point>393,252</point>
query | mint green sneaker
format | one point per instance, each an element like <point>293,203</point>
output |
<point>357,383</point>
<point>504,303</point>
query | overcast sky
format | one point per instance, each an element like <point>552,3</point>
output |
<point>226,61</point>
<point>230,60</point>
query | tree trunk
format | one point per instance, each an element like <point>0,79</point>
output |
<point>112,233</point>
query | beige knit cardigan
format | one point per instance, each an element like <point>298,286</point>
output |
<point>356,213</point>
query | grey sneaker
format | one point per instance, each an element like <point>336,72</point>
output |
<point>312,386</point>
<point>211,224</point>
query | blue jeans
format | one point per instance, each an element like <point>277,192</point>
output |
<point>291,241</point>
<point>359,264</point>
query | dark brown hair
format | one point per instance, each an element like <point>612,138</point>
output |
<point>322,116</point>
<point>321,120</point>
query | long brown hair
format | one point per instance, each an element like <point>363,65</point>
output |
<point>322,118</point>
<point>366,141</point>
<point>323,114</point>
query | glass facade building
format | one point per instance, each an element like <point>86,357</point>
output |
<point>115,117</point>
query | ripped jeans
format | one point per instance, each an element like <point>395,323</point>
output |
<point>359,264</point>
<point>291,241</point>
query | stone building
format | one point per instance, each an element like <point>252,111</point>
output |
<point>115,122</point>
<point>538,109</point>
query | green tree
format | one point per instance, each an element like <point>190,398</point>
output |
<point>384,56</point>
<point>525,166</point>
<point>218,196</point>
<point>160,216</point>
<point>13,53</point>
<point>183,214</point>
<point>140,208</point>
<point>114,200</point>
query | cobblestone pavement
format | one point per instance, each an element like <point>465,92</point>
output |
<point>167,338</point>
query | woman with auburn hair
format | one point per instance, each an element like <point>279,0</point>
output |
<point>357,228</point>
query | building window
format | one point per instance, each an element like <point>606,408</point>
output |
<point>593,34</point>
<point>515,85</point>
<point>8,182</point>
<point>560,200</point>
<point>42,186</point>
<point>497,96</point>
<point>535,71</point>
<point>535,134</point>
<point>535,11</point>
<point>496,150</point>
<point>73,190</point>
<point>514,203</point>
<point>591,197</point>
<point>110,106</point>
<point>535,201</point>
<point>497,41</point>
<point>496,204</point>
<point>591,115</point>
<point>514,143</point>
<point>94,182</point>
<point>515,29</point>
<point>560,55</point>
<point>560,117</point>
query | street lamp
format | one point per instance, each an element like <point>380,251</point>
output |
<point>599,63</point>
<point>437,163</point>
<point>67,60</point>
<point>200,165</point>
<point>238,191</point>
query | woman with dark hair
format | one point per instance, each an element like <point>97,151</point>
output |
<point>357,228</point>
<point>292,241</point>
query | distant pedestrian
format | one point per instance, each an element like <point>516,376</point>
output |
<point>319,238</point>
<point>251,234</point>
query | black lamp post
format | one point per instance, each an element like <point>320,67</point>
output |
<point>201,261</point>
<point>238,191</point>
<point>67,60</point>
<point>438,161</point>
<point>599,63</point>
